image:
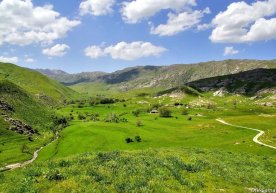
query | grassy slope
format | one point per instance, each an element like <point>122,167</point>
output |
<point>162,170</point>
<point>35,83</point>
<point>30,112</point>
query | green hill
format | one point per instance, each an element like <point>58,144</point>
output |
<point>43,88</point>
<point>25,124</point>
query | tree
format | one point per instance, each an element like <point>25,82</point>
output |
<point>138,123</point>
<point>129,140</point>
<point>138,138</point>
<point>184,111</point>
<point>164,112</point>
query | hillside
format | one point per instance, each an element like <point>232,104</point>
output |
<point>160,76</point>
<point>249,83</point>
<point>70,79</point>
<point>25,124</point>
<point>43,88</point>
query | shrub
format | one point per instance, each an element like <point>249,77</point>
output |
<point>164,112</point>
<point>112,118</point>
<point>136,113</point>
<point>129,140</point>
<point>138,138</point>
<point>184,111</point>
<point>139,123</point>
<point>190,118</point>
<point>81,117</point>
<point>55,176</point>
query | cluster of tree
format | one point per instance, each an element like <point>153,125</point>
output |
<point>137,139</point>
<point>113,118</point>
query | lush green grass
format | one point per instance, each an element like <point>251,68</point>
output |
<point>28,110</point>
<point>162,170</point>
<point>35,83</point>
<point>156,132</point>
<point>175,154</point>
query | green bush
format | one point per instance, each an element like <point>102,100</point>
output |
<point>165,112</point>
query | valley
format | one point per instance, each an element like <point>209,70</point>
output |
<point>104,137</point>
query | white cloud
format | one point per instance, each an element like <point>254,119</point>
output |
<point>243,22</point>
<point>94,52</point>
<point>96,7</point>
<point>21,23</point>
<point>179,22</point>
<point>230,51</point>
<point>57,50</point>
<point>135,11</point>
<point>204,26</point>
<point>29,60</point>
<point>8,59</point>
<point>126,51</point>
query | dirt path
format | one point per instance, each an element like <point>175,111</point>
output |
<point>35,155</point>
<point>255,139</point>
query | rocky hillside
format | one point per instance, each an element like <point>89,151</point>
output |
<point>257,81</point>
<point>166,76</point>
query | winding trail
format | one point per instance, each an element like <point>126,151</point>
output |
<point>255,139</point>
<point>35,155</point>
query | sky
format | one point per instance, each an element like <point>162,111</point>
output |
<point>108,35</point>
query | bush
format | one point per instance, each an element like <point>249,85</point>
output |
<point>81,117</point>
<point>136,113</point>
<point>112,118</point>
<point>138,138</point>
<point>184,111</point>
<point>129,140</point>
<point>138,123</point>
<point>164,112</point>
<point>55,176</point>
<point>190,118</point>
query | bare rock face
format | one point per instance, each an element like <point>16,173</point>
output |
<point>19,127</point>
<point>5,106</point>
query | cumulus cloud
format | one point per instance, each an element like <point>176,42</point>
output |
<point>94,52</point>
<point>57,50</point>
<point>8,59</point>
<point>96,7</point>
<point>135,11</point>
<point>21,23</point>
<point>179,22</point>
<point>243,22</point>
<point>230,51</point>
<point>125,51</point>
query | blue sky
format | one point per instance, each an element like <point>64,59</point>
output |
<point>107,35</point>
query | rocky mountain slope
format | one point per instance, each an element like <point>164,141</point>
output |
<point>165,76</point>
<point>257,81</point>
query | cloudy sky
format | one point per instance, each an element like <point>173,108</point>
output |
<point>107,35</point>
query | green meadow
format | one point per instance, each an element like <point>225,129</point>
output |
<point>142,140</point>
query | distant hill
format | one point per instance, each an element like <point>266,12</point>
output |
<point>71,79</point>
<point>249,83</point>
<point>43,88</point>
<point>160,76</point>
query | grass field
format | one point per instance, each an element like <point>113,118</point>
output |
<point>186,152</point>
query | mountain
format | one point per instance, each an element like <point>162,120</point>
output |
<point>40,86</point>
<point>249,83</point>
<point>166,76</point>
<point>71,79</point>
<point>161,76</point>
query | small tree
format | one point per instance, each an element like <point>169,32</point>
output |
<point>129,140</point>
<point>184,111</point>
<point>139,123</point>
<point>138,138</point>
<point>165,112</point>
